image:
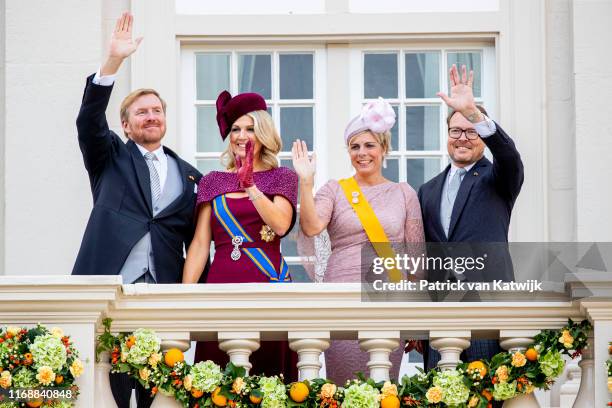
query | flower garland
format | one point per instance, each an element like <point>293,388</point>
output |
<point>35,359</point>
<point>470,385</point>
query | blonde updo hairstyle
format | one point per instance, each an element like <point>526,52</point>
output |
<point>266,134</point>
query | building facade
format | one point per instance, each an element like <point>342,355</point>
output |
<point>541,69</point>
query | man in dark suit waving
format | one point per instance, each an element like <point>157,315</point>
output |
<point>471,201</point>
<point>143,193</point>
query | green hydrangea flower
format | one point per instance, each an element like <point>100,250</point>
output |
<point>504,391</point>
<point>361,396</point>
<point>206,376</point>
<point>24,378</point>
<point>551,363</point>
<point>48,350</point>
<point>274,392</point>
<point>455,391</point>
<point>146,343</point>
<point>62,404</point>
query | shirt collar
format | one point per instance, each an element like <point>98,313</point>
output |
<point>453,169</point>
<point>159,152</point>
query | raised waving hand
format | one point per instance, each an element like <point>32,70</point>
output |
<point>121,45</point>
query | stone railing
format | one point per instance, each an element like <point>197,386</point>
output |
<point>309,316</point>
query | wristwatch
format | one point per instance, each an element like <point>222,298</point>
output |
<point>475,116</point>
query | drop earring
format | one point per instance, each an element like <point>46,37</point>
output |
<point>385,163</point>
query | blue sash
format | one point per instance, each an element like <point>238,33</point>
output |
<point>256,255</point>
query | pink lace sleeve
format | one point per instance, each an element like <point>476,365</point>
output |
<point>413,228</point>
<point>316,250</point>
<point>414,235</point>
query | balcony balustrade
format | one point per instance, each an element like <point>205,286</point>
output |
<point>309,316</point>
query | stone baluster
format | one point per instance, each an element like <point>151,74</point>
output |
<point>586,392</point>
<point>379,345</point>
<point>518,341</point>
<point>449,344</point>
<point>309,346</point>
<point>103,395</point>
<point>569,390</point>
<point>239,346</point>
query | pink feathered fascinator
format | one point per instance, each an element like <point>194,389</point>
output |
<point>377,116</point>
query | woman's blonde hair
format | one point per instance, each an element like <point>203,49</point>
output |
<point>383,138</point>
<point>266,134</point>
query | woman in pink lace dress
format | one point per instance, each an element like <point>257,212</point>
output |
<point>396,206</point>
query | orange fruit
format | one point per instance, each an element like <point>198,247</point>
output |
<point>477,365</point>
<point>173,356</point>
<point>217,399</point>
<point>390,401</point>
<point>299,392</point>
<point>487,394</point>
<point>34,404</point>
<point>195,393</point>
<point>59,379</point>
<point>531,354</point>
<point>255,399</point>
<point>130,341</point>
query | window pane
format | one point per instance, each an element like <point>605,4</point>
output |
<point>472,61</point>
<point>255,74</point>
<point>205,166</point>
<point>209,138</point>
<point>395,131</point>
<point>392,170</point>
<point>289,162</point>
<point>212,75</point>
<point>422,75</point>
<point>418,171</point>
<point>380,75</point>
<point>423,127</point>
<point>296,123</point>
<point>298,273</point>
<point>296,76</point>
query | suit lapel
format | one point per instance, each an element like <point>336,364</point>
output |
<point>142,173</point>
<point>468,182</point>
<point>437,187</point>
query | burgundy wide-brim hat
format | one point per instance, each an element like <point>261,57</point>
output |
<point>230,109</point>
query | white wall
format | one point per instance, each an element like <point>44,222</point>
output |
<point>543,64</point>
<point>2,128</point>
<point>592,32</point>
<point>50,49</point>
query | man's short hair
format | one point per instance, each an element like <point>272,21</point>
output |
<point>452,113</point>
<point>129,100</point>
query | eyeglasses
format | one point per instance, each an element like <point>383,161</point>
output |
<point>455,133</point>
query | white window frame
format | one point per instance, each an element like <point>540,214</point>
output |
<point>488,91</point>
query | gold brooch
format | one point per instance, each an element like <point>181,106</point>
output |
<point>266,233</point>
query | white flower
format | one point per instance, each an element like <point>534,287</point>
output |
<point>76,368</point>
<point>57,332</point>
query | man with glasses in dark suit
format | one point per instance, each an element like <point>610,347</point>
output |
<point>471,201</point>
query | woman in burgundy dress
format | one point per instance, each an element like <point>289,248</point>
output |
<point>245,210</point>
